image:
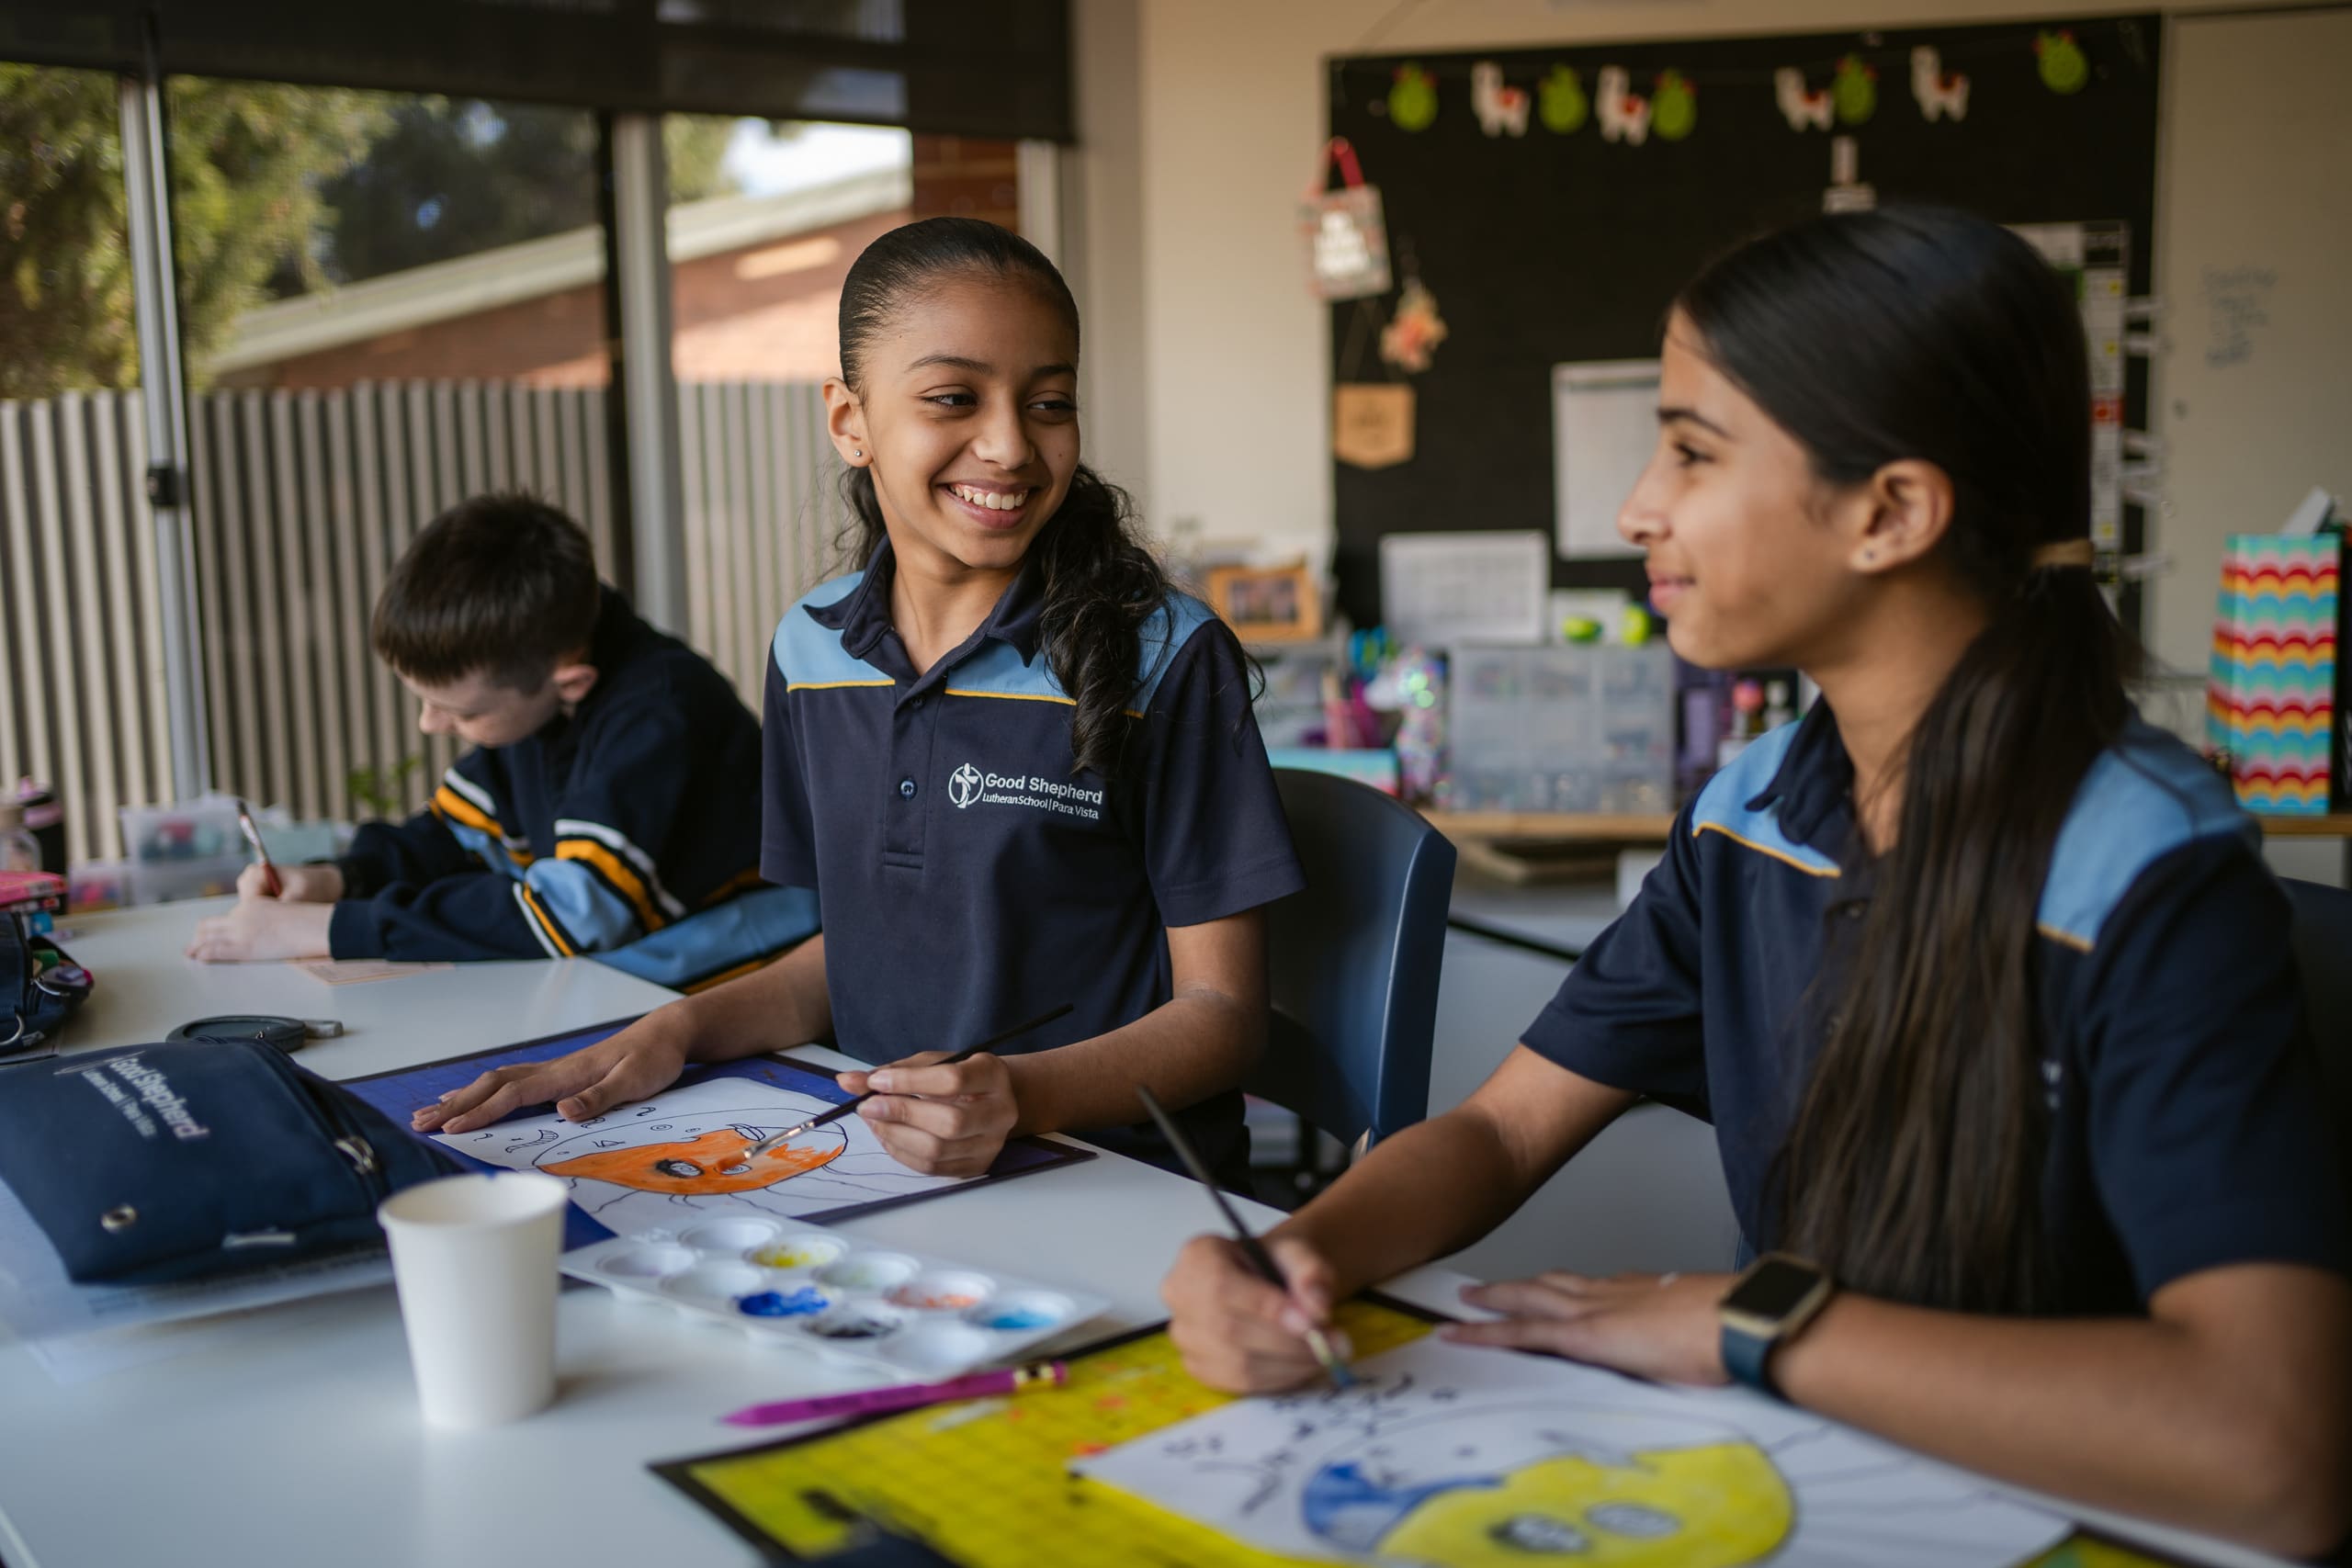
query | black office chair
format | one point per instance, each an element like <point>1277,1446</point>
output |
<point>2323,938</point>
<point>1353,959</point>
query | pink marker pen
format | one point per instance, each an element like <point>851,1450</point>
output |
<point>905,1396</point>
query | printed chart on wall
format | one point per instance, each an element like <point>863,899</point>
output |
<point>1445,1457</point>
<point>676,1157</point>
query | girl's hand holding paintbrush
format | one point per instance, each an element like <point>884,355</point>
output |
<point>1235,1330</point>
<point>939,1117</point>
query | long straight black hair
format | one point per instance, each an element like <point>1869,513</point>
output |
<point>1914,1167</point>
<point>1102,582</point>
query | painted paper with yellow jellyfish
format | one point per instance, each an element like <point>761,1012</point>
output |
<point>1544,1484</point>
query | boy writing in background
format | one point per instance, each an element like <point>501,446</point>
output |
<point>610,807</point>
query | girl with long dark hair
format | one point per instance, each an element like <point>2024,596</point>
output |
<point>1018,767</point>
<point>1980,979</point>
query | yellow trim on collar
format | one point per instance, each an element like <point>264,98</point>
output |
<point>1009,696</point>
<point>1780,855</point>
<point>2064,938</point>
<point>1023,697</point>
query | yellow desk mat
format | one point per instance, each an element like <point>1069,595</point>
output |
<point>985,1484</point>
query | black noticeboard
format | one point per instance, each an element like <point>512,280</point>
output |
<point>1546,248</point>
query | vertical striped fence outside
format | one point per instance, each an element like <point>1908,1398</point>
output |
<point>302,502</point>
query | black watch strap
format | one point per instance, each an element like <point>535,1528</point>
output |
<point>1747,1358</point>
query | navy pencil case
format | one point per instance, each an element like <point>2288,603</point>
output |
<point>151,1163</point>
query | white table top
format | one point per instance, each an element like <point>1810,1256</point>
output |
<point>291,1435</point>
<point>146,987</point>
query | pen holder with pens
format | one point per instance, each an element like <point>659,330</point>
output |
<point>40,987</point>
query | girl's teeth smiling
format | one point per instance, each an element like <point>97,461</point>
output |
<point>994,500</point>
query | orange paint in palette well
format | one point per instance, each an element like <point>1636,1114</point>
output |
<point>938,1301</point>
<point>942,1292</point>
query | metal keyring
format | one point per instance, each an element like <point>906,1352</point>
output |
<point>20,1030</point>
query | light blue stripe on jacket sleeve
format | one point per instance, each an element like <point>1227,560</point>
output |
<point>595,917</point>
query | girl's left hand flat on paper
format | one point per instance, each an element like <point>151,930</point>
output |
<point>259,929</point>
<point>939,1119</point>
<point>1662,1327</point>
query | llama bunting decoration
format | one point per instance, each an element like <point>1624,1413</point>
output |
<point>1940,95</point>
<point>1624,114</point>
<point>1806,108</point>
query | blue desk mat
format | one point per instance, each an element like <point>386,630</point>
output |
<point>402,1091</point>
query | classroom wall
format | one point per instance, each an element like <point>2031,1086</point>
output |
<point>2254,266</point>
<point>1233,394</point>
<point>1102,238</point>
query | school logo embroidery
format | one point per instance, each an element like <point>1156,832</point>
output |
<point>968,786</point>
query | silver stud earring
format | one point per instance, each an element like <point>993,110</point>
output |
<point>857,452</point>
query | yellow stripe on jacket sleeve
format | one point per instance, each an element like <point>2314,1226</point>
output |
<point>539,911</point>
<point>457,808</point>
<point>617,873</point>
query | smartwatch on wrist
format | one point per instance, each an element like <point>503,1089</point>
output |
<point>1765,1308</point>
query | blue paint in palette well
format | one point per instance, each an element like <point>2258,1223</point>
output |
<point>1017,1318</point>
<point>774,1303</point>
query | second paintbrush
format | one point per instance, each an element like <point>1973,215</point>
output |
<point>847,1106</point>
<point>1326,1354</point>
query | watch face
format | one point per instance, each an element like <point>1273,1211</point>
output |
<point>1774,1289</point>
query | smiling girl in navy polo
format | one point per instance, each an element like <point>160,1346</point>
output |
<point>1981,980</point>
<point>1018,767</point>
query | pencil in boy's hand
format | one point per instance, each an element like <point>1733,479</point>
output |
<point>1260,1258</point>
<point>271,882</point>
<point>845,1107</point>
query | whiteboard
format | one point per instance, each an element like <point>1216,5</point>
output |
<point>1437,590</point>
<point>2252,384</point>
<point>1604,427</point>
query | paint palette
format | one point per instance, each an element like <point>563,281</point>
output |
<point>817,1291</point>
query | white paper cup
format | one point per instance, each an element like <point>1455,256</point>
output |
<point>474,1258</point>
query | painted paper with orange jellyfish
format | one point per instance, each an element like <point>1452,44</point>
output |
<point>690,1154</point>
<point>704,1164</point>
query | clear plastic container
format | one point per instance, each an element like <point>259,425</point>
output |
<point>1585,727</point>
<point>192,849</point>
<point>19,849</point>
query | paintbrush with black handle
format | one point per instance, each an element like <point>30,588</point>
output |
<point>1260,1258</point>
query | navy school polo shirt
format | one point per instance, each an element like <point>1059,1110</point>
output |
<point>2183,1132</point>
<point>967,877</point>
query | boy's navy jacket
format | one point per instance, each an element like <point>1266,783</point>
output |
<point>627,831</point>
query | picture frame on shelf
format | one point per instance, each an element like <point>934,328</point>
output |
<point>1282,604</point>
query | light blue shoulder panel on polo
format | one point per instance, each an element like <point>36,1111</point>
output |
<point>808,654</point>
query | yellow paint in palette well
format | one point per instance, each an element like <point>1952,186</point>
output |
<point>796,1255</point>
